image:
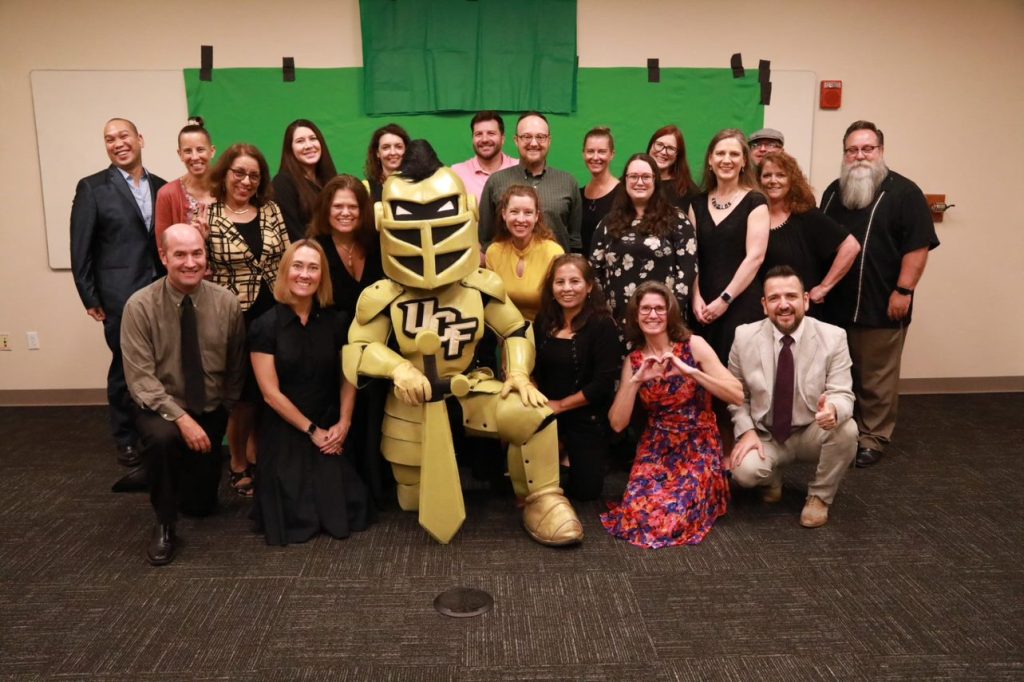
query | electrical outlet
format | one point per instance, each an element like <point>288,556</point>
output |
<point>5,341</point>
<point>33,340</point>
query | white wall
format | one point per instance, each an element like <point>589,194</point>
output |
<point>942,78</point>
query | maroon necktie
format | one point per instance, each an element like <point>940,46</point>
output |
<point>782,398</point>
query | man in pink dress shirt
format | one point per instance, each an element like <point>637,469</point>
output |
<point>488,141</point>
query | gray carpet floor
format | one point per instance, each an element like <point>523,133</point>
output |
<point>918,575</point>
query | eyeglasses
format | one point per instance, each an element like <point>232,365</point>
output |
<point>866,150</point>
<point>528,138</point>
<point>240,175</point>
<point>637,178</point>
<point>765,144</point>
<point>662,147</point>
<point>656,310</point>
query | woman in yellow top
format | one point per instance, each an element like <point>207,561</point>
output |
<point>523,248</point>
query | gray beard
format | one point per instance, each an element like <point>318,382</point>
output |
<point>859,182</point>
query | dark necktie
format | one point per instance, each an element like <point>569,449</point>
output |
<point>782,398</point>
<point>191,359</point>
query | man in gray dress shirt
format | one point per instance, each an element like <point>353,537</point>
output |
<point>183,342</point>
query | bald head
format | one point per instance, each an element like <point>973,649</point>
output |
<point>183,253</point>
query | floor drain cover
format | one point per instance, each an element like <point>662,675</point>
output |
<point>463,602</point>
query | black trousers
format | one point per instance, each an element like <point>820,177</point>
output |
<point>586,440</point>
<point>120,407</point>
<point>181,479</point>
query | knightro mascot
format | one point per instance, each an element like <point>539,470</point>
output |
<point>432,308</point>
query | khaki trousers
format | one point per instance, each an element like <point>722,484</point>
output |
<point>876,357</point>
<point>833,450</point>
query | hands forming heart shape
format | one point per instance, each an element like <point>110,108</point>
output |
<point>663,366</point>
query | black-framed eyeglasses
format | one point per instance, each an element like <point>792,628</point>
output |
<point>240,175</point>
<point>662,147</point>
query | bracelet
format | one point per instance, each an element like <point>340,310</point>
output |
<point>903,291</point>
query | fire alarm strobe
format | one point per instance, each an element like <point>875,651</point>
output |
<point>831,94</point>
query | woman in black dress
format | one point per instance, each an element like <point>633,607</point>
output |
<point>644,238</point>
<point>306,166</point>
<point>732,233</point>
<point>597,195</point>
<point>342,225</point>
<point>306,482</point>
<point>802,237</point>
<point>384,156</point>
<point>578,356</point>
<point>247,237</point>
<point>668,148</point>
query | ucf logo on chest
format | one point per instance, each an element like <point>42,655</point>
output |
<point>455,330</point>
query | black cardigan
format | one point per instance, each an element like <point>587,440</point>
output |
<point>599,357</point>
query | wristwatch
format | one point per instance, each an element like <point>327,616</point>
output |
<point>311,429</point>
<point>903,291</point>
<point>726,297</point>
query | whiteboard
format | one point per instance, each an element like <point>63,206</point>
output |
<point>792,113</point>
<point>71,108</point>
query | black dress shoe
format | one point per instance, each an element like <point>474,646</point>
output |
<point>866,457</point>
<point>161,545</point>
<point>129,456</point>
<point>133,482</point>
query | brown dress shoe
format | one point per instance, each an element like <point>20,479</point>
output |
<point>815,513</point>
<point>772,492</point>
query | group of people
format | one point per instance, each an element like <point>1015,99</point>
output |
<point>227,298</point>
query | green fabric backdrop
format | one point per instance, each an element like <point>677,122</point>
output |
<point>453,55</point>
<point>255,105</point>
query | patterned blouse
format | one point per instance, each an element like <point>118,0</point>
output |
<point>623,263</point>
<point>233,265</point>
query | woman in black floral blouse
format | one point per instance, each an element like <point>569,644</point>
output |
<point>644,238</point>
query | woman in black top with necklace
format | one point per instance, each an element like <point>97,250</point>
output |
<point>599,193</point>
<point>342,224</point>
<point>578,359</point>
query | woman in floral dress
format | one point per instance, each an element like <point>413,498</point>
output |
<point>677,487</point>
<point>644,238</point>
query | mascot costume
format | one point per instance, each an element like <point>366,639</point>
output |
<point>420,328</point>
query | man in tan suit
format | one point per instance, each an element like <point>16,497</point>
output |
<point>798,397</point>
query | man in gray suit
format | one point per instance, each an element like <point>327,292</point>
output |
<point>798,397</point>
<point>113,255</point>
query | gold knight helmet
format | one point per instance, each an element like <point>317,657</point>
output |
<point>427,223</point>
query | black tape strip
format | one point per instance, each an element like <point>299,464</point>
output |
<point>653,71</point>
<point>206,63</point>
<point>288,68</point>
<point>764,71</point>
<point>737,66</point>
<point>766,93</point>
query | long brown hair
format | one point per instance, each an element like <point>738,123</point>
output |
<point>374,169</point>
<point>550,316</point>
<point>747,180</point>
<point>540,230</point>
<point>291,167</point>
<point>675,327</point>
<point>800,198</point>
<point>320,223</point>
<point>679,172</point>
<point>660,217</point>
